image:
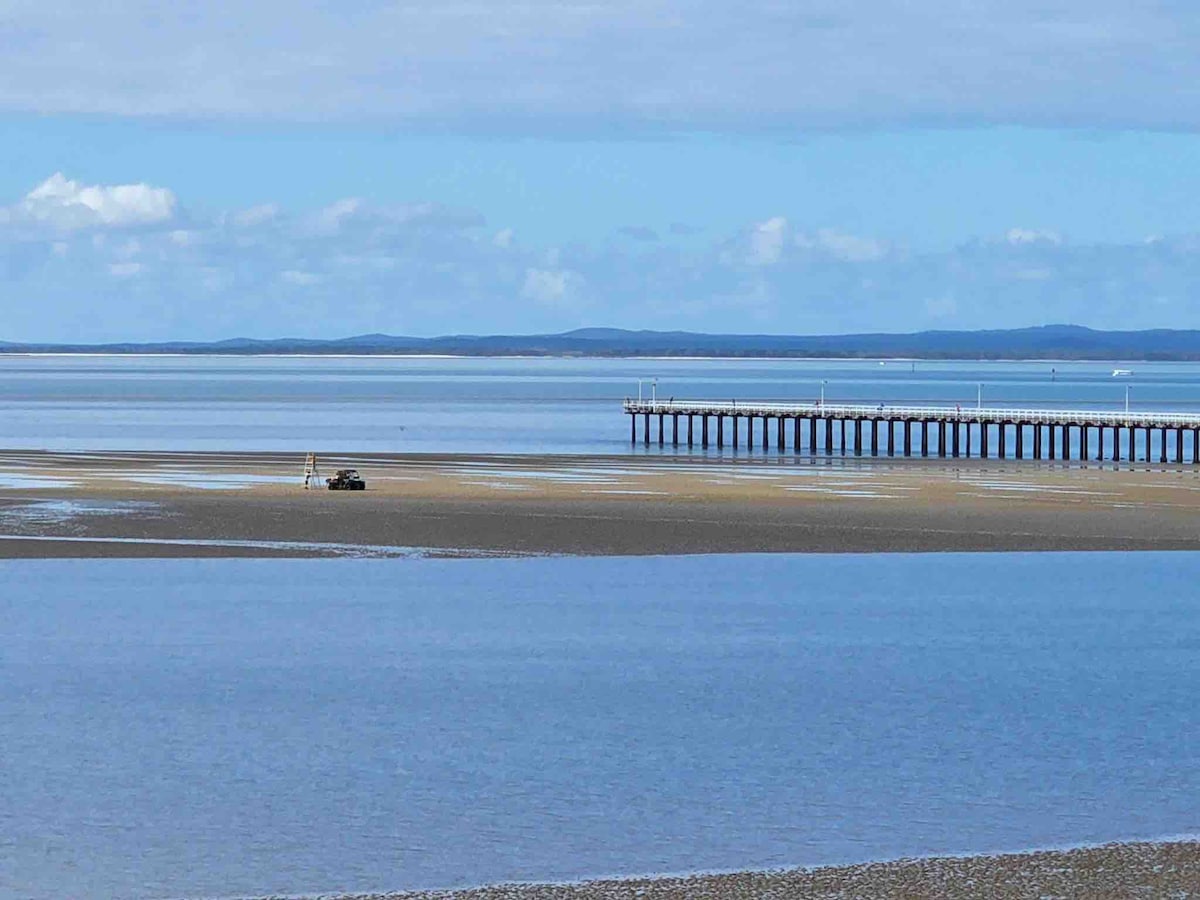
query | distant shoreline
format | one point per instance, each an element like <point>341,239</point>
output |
<point>1049,343</point>
<point>577,356</point>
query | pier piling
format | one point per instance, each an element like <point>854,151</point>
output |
<point>951,429</point>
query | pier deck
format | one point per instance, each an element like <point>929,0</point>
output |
<point>944,431</point>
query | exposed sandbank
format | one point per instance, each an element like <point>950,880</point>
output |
<point>601,505</point>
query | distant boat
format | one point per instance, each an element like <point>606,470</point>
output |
<point>1117,373</point>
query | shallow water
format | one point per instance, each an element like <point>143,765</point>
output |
<point>237,727</point>
<point>379,404</point>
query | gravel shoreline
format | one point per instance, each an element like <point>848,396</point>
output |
<point>1109,872</point>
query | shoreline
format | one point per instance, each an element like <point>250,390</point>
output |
<point>68,504</point>
<point>1169,867</point>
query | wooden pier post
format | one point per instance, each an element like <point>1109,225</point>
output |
<point>1164,436</point>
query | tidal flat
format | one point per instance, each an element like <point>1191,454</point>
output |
<point>116,504</point>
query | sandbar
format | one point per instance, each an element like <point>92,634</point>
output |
<point>62,504</point>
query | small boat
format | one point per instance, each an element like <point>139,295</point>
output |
<point>1118,373</point>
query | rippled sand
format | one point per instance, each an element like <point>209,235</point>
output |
<point>1135,870</point>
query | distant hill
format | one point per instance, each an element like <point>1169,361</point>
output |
<point>1043,342</point>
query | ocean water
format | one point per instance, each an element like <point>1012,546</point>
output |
<point>374,404</point>
<point>215,728</point>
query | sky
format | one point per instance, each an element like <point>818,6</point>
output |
<point>210,170</point>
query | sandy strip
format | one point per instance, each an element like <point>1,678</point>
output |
<point>1150,870</point>
<point>187,504</point>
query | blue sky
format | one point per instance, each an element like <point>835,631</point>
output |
<point>314,168</point>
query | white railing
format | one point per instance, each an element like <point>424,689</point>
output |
<point>893,411</point>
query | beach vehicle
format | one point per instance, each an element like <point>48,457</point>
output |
<point>346,480</point>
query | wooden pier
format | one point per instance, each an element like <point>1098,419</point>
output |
<point>943,431</point>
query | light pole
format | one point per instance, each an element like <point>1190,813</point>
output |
<point>654,391</point>
<point>979,398</point>
<point>1127,401</point>
<point>823,383</point>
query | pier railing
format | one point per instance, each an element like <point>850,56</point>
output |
<point>897,412</point>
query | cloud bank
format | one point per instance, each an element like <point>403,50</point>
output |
<point>63,205</point>
<point>552,65</point>
<point>114,262</point>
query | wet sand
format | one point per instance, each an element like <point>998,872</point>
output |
<point>254,504</point>
<point>1150,870</point>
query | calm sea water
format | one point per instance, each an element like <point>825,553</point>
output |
<point>487,405</point>
<point>232,727</point>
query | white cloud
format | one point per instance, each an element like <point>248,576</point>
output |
<point>503,238</point>
<point>555,64</point>
<point>1020,236</point>
<point>332,217</point>
<point>255,215</point>
<point>424,268</point>
<point>846,247</point>
<point>766,241</point>
<point>63,204</point>
<point>549,286</point>
<point>125,269</point>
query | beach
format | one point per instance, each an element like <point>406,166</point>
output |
<point>63,504</point>
<point>1110,872</point>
